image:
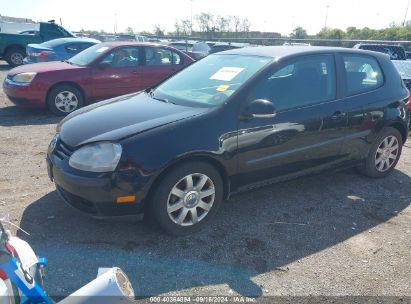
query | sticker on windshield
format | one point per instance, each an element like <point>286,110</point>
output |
<point>226,73</point>
<point>102,49</point>
<point>222,88</point>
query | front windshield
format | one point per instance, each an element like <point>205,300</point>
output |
<point>210,81</point>
<point>88,55</point>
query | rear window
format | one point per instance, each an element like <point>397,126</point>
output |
<point>363,74</point>
<point>395,52</point>
<point>53,43</point>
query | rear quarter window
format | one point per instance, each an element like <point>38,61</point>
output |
<point>363,74</point>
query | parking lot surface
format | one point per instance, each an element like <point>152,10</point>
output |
<point>332,234</point>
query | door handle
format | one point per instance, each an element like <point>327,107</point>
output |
<point>338,115</point>
<point>134,72</point>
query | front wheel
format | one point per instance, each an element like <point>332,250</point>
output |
<point>384,154</point>
<point>187,198</point>
<point>64,99</point>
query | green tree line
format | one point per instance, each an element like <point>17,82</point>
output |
<point>392,33</point>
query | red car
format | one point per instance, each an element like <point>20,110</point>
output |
<point>102,71</point>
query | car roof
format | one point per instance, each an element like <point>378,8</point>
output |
<point>277,52</point>
<point>74,39</point>
<point>113,44</point>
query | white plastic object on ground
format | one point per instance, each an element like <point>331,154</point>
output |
<point>112,286</point>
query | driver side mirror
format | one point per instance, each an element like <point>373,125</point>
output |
<point>259,108</point>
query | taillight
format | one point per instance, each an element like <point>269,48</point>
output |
<point>3,275</point>
<point>409,102</point>
<point>40,55</point>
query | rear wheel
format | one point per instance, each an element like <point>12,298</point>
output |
<point>187,198</point>
<point>384,154</point>
<point>14,57</point>
<point>64,99</point>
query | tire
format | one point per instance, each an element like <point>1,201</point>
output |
<point>377,164</point>
<point>188,202</point>
<point>64,99</point>
<point>14,57</point>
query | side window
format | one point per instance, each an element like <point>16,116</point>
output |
<point>122,57</point>
<point>160,56</point>
<point>84,46</point>
<point>73,48</point>
<point>363,73</point>
<point>176,58</point>
<point>304,81</point>
<point>55,30</point>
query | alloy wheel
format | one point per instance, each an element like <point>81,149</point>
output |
<point>191,199</point>
<point>387,153</point>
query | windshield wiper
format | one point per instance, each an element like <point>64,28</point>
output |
<point>163,100</point>
<point>150,92</point>
<point>67,61</point>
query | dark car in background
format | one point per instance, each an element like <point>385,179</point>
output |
<point>221,47</point>
<point>194,49</point>
<point>396,52</point>
<point>404,69</point>
<point>227,123</point>
<point>57,49</point>
<point>102,71</point>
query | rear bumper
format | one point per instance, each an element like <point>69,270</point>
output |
<point>27,95</point>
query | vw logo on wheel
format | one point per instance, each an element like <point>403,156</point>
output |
<point>192,197</point>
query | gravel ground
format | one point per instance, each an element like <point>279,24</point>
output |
<point>334,234</point>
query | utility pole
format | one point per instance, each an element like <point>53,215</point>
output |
<point>115,23</point>
<point>326,16</point>
<point>191,17</point>
<point>406,13</point>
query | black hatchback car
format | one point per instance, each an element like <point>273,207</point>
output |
<point>230,122</point>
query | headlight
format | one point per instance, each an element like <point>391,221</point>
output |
<point>98,157</point>
<point>24,77</point>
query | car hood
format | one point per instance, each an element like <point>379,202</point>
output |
<point>43,67</point>
<point>117,118</point>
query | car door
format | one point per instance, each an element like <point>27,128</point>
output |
<point>307,130</point>
<point>117,73</point>
<point>364,101</point>
<point>159,63</point>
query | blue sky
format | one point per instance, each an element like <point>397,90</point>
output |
<point>278,16</point>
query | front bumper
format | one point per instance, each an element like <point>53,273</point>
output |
<point>94,194</point>
<point>25,95</point>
